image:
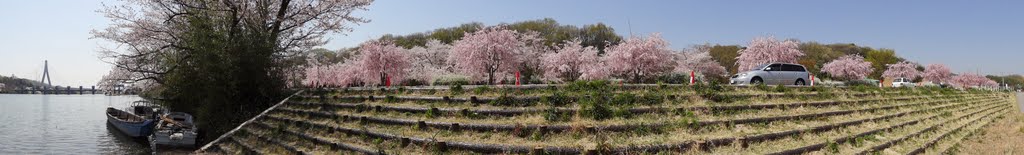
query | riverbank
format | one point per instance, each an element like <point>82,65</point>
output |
<point>606,118</point>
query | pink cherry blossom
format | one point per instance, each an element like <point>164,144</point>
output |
<point>698,59</point>
<point>763,50</point>
<point>849,67</point>
<point>430,62</point>
<point>937,73</point>
<point>968,80</point>
<point>489,52</point>
<point>571,62</point>
<point>640,58</point>
<point>902,70</point>
<point>379,60</point>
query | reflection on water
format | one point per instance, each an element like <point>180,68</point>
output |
<point>63,124</point>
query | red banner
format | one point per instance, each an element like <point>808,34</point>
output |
<point>517,78</point>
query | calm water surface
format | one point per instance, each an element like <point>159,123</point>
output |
<point>63,124</point>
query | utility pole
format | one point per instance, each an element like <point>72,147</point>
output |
<point>630,25</point>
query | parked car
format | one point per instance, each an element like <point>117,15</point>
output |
<point>772,74</point>
<point>902,82</point>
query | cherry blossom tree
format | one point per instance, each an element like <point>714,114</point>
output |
<point>346,74</point>
<point>383,60</point>
<point>529,52</point>
<point>968,80</point>
<point>849,67</point>
<point>430,61</point>
<point>571,61</point>
<point>151,36</point>
<point>902,70</point>
<point>937,73</point>
<point>489,52</point>
<point>640,58</point>
<point>699,60</point>
<point>763,50</point>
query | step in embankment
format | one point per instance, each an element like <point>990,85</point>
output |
<point>650,119</point>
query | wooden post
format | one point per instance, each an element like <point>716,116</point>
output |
<point>537,151</point>
<point>422,125</point>
<point>404,141</point>
<point>542,129</point>
<point>442,146</point>
<point>454,127</point>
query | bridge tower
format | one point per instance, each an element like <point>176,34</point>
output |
<point>46,73</point>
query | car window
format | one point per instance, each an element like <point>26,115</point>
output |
<point>795,68</point>
<point>759,67</point>
<point>776,67</point>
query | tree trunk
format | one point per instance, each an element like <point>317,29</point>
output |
<point>383,78</point>
<point>490,78</point>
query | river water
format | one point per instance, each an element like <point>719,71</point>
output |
<point>63,124</point>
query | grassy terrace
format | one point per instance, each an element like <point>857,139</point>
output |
<point>593,117</point>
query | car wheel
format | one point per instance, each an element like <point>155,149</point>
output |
<point>756,81</point>
<point>800,82</point>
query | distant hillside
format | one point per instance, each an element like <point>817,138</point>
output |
<point>10,83</point>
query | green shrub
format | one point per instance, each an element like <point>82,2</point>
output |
<point>762,87</point>
<point>674,78</point>
<point>864,88</point>
<point>589,86</point>
<point>688,117</point>
<point>621,112</point>
<point>552,114</point>
<point>823,92</point>
<point>455,89</point>
<point>780,89</point>
<point>451,80</point>
<point>852,83</point>
<point>596,107</point>
<point>624,99</point>
<point>557,98</point>
<point>652,98</point>
<point>711,91</point>
<point>390,99</point>
<point>506,100</point>
<point>431,113</point>
<point>481,90</point>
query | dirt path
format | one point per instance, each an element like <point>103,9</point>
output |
<point>1020,101</point>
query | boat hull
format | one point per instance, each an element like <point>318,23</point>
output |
<point>186,139</point>
<point>175,129</point>
<point>130,124</point>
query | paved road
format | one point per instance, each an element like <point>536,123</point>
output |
<point>1020,101</point>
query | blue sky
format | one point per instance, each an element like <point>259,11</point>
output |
<point>974,36</point>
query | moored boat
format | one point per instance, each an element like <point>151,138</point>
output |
<point>175,129</point>
<point>130,124</point>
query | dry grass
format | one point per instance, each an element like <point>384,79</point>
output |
<point>675,133</point>
<point>1004,136</point>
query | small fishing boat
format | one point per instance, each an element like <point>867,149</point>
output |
<point>175,129</point>
<point>130,124</point>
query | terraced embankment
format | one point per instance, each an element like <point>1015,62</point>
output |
<point>617,120</point>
